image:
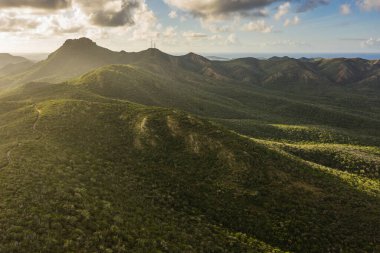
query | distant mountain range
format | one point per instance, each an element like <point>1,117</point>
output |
<point>6,59</point>
<point>77,57</point>
<point>217,58</point>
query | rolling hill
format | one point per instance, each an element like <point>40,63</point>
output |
<point>231,100</point>
<point>82,172</point>
<point>6,59</point>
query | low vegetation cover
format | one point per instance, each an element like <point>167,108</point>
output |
<point>139,157</point>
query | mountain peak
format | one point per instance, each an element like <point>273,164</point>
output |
<point>191,54</point>
<point>196,58</point>
<point>75,46</point>
<point>79,42</point>
<point>154,51</point>
<point>280,58</point>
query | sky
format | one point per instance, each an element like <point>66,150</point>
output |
<point>204,26</point>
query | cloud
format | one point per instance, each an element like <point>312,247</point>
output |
<point>282,10</point>
<point>97,19</point>
<point>40,4</point>
<point>257,26</point>
<point>103,13</point>
<point>190,35</point>
<point>225,9</point>
<point>256,13</point>
<point>183,18</point>
<point>29,23</point>
<point>173,15</point>
<point>345,9</point>
<point>232,39</point>
<point>294,21</point>
<point>352,39</point>
<point>70,22</point>
<point>147,27</point>
<point>216,37</point>
<point>218,26</point>
<point>308,5</point>
<point>285,44</point>
<point>372,42</point>
<point>12,23</point>
<point>221,9</point>
<point>369,5</point>
<point>169,32</point>
<point>111,13</point>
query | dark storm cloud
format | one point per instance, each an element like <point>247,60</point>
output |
<point>225,8</point>
<point>40,4</point>
<point>122,17</point>
<point>14,24</point>
<point>311,4</point>
<point>255,13</point>
<point>100,15</point>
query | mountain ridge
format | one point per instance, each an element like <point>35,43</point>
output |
<point>6,59</point>
<point>78,56</point>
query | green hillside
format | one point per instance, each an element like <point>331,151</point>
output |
<point>148,152</point>
<point>235,104</point>
<point>86,173</point>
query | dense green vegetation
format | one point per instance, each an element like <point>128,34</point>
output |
<point>354,159</point>
<point>235,162</point>
<point>250,110</point>
<point>106,175</point>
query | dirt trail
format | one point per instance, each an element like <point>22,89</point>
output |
<point>9,158</point>
<point>37,119</point>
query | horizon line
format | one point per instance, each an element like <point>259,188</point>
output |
<point>175,53</point>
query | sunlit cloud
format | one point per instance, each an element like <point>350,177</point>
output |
<point>372,43</point>
<point>258,26</point>
<point>369,5</point>
<point>292,21</point>
<point>173,15</point>
<point>345,9</point>
<point>283,9</point>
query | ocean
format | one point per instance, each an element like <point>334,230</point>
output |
<point>368,56</point>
